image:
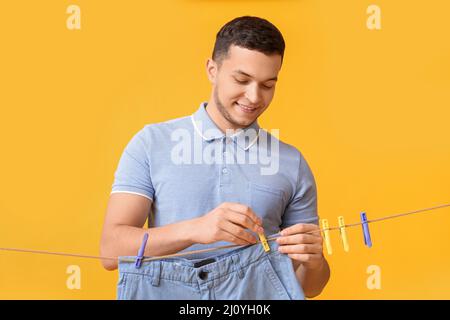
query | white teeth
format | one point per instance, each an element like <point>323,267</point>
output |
<point>245,107</point>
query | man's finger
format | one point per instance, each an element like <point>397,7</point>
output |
<point>243,209</point>
<point>298,239</point>
<point>243,220</point>
<point>301,249</point>
<point>232,238</point>
<point>238,232</point>
<point>305,257</point>
<point>301,228</point>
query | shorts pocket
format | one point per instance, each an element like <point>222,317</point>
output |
<point>135,286</point>
<point>275,279</point>
<point>121,286</point>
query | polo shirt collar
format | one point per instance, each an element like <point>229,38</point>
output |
<point>208,130</point>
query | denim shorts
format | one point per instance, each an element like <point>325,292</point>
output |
<point>247,273</point>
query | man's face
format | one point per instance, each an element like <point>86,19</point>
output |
<point>244,85</point>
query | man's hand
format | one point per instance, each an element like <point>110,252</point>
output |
<point>227,222</point>
<point>303,243</point>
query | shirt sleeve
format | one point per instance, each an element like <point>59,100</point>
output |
<point>303,205</point>
<point>133,171</point>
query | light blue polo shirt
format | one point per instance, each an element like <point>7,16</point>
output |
<point>187,167</point>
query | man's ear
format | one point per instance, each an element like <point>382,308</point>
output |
<point>211,70</point>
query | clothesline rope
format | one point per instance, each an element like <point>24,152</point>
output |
<point>215,248</point>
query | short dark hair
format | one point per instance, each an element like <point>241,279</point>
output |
<point>248,32</point>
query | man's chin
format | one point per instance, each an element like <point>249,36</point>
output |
<point>241,121</point>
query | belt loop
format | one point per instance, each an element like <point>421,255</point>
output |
<point>156,273</point>
<point>237,265</point>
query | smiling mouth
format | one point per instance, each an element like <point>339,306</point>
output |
<point>245,108</point>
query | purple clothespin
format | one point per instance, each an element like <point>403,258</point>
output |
<point>366,232</point>
<point>140,254</point>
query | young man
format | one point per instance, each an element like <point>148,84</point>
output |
<point>199,204</point>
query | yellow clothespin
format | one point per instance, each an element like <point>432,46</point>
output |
<point>343,233</point>
<point>264,243</point>
<point>326,235</point>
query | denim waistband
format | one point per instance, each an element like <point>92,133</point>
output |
<point>188,270</point>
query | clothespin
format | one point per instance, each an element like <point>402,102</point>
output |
<point>140,254</point>
<point>366,232</point>
<point>326,235</point>
<point>264,243</point>
<point>343,233</point>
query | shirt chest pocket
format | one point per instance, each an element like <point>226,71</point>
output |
<point>268,204</point>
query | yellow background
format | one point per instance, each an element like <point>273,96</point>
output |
<point>369,109</point>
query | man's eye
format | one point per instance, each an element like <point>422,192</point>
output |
<point>241,81</point>
<point>267,87</point>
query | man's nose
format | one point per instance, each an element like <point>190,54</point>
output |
<point>253,94</point>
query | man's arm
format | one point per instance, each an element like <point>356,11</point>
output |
<point>123,230</point>
<point>312,280</point>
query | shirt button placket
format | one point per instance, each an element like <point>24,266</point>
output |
<point>225,171</point>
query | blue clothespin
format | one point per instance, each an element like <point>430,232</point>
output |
<point>366,232</point>
<point>140,254</point>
